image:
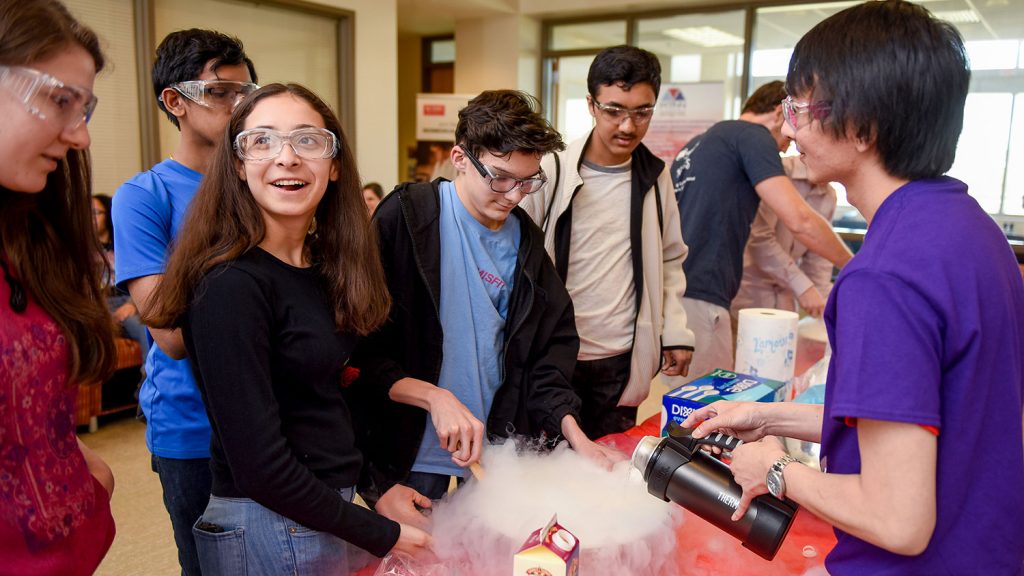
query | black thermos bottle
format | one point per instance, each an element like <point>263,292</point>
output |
<point>675,468</point>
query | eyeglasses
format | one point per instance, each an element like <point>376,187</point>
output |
<point>47,98</point>
<point>264,144</point>
<point>617,114</point>
<point>224,94</point>
<point>791,109</point>
<point>506,184</point>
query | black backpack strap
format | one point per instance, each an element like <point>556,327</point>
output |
<point>554,194</point>
<point>661,215</point>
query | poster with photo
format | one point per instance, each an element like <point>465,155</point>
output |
<point>683,111</point>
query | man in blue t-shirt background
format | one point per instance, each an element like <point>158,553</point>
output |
<point>199,76</point>
<point>720,178</point>
<point>921,429</point>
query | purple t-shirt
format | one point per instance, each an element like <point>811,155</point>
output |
<point>927,327</point>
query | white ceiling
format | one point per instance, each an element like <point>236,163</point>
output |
<point>779,26</point>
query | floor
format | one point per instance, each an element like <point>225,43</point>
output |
<point>144,544</point>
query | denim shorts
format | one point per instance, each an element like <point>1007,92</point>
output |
<point>237,536</point>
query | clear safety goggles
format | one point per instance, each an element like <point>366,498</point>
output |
<point>264,144</point>
<point>223,94</point>
<point>48,98</point>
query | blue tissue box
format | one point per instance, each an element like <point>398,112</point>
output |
<point>718,385</point>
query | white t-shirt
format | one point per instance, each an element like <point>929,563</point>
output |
<point>600,272</point>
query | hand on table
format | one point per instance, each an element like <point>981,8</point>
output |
<point>812,302</point>
<point>604,456</point>
<point>744,420</point>
<point>676,362</point>
<point>414,542</point>
<point>457,428</point>
<point>750,465</point>
<point>402,504</point>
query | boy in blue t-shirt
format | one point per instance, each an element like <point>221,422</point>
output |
<point>921,430</point>
<point>199,76</point>
<point>481,338</point>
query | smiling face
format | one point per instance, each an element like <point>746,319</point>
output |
<point>827,159</point>
<point>613,141</point>
<point>488,207</point>
<point>287,188</point>
<point>30,146</point>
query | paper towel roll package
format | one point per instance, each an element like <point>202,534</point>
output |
<point>766,343</point>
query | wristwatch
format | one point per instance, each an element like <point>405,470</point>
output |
<point>776,483</point>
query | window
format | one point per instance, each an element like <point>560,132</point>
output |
<point>709,45</point>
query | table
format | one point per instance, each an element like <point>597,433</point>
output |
<point>704,550</point>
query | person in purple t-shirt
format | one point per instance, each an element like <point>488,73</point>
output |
<point>921,430</point>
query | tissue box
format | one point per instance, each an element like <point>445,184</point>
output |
<point>549,551</point>
<point>718,385</point>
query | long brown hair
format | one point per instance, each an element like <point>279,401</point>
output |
<point>48,237</point>
<point>224,222</point>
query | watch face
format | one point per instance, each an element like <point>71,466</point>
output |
<point>775,483</point>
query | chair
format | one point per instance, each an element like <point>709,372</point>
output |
<point>89,406</point>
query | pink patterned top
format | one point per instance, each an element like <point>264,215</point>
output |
<point>54,516</point>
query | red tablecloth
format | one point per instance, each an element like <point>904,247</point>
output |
<point>704,550</point>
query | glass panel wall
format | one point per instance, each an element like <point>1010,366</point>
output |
<point>699,48</point>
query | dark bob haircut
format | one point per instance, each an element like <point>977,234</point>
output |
<point>893,74</point>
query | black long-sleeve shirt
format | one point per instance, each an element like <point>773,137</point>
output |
<point>268,360</point>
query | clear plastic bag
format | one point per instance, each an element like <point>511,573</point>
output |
<point>403,565</point>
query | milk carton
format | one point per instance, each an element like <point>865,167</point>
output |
<point>549,551</point>
<point>718,385</point>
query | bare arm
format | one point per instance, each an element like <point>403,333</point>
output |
<point>460,432</point>
<point>890,503</point>
<point>750,421</point>
<point>97,467</point>
<point>169,341</point>
<point>807,226</point>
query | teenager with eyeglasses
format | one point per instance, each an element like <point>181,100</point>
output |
<point>721,177</point>
<point>613,232</point>
<point>271,303</point>
<point>921,435</point>
<point>55,331</point>
<point>199,76</point>
<point>481,341</point>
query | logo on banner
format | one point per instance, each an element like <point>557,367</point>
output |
<point>433,109</point>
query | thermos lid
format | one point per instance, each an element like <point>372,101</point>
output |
<point>644,451</point>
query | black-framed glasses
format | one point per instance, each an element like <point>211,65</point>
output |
<point>506,184</point>
<point>641,116</point>
<point>791,111</point>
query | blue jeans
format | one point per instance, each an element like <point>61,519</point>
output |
<point>186,485</point>
<point>239,536</point>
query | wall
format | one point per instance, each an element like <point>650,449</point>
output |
<point>376,85</point>
<point>410,81</point>
<point>495,53</point>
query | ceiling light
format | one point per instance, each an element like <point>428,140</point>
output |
<point>958,16</point>
<point>706,36</point>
